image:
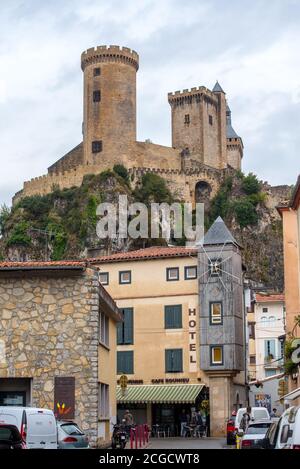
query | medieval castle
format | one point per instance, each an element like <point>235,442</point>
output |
<point>204,145</point>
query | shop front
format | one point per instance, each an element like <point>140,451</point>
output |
<point>161,406</point>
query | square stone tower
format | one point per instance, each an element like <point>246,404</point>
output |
<point>222,343</point>
<point>199,124</point>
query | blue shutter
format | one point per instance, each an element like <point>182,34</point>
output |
<point>120,333</point>
<point>272,348</point>
<point>125,362</point>
<point>119,363</point>
<point>173,317</point>
<point>128,326</point>
<point>177,364</point>
<point>128,358</point>
<point>168,357</point>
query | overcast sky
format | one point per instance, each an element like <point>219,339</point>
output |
<point>250,46</point>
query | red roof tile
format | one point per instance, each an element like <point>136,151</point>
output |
<point>154,252</point>
<point>272,298</point>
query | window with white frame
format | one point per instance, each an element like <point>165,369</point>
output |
<point>104,278</point>
<point>103,329</point>
<point>103,401</point>
<point>216,313</point>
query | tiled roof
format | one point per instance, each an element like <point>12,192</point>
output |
<point>217,88</point>
<point>147,253</point>
<point>275,297</point>
<point>218,233</point>
<point>31,265</point>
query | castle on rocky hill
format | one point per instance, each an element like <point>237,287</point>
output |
<point>204,145</point>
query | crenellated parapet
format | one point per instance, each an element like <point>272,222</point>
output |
<point>112,53</point>
<point>196,94</point>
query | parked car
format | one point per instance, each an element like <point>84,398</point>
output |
<point>285,434</point>
<point>253,437</point>
<point>70,436</point>
<point>10,437</point>
<point>257,413</point>
<point>269,441</point>
<point>37,426</point>
<point>230,430</point>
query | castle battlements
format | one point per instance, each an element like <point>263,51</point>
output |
<point>187,95</point>
<point>109,54</point>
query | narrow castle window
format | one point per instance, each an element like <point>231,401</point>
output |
<point>97,96</point>
<point>187,119</point>
<point>97,71</point>
<point>210,119</point>
<point>96,146</point>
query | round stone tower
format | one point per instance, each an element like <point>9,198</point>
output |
<point>109,102</point>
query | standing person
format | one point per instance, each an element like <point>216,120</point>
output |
<point>183,419</point>
<point>246,419</point>
<point>273,413</point>
<point>128,420</point>
<point>200,426</point>
<point>207,423</point>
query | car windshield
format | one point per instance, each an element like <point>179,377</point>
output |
<point>9,433</point>
<point>71,429</point>
<point>258,429</point>
<point>260,414</point>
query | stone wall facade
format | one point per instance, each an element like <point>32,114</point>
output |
<point>109,120</point>
<point>50,328</point>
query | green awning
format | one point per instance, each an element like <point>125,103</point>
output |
<point>159,394</point>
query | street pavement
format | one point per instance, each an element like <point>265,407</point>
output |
<point>187,443</point>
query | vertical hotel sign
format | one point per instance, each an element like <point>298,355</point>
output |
<point>192,340</point>
<point>64,397</point>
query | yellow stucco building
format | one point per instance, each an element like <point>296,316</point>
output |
<point>158,344</point>
<point>291,246</point>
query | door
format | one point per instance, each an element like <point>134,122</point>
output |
<point>41,430</point>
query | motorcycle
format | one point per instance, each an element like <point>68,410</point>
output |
<point>119,437</point>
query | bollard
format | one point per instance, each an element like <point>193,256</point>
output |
<point>136,437</point>
<point>143,434</point>
<point>140,435</point>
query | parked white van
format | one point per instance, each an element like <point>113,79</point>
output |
<point>37,426</point>
<point>288,436</point>
<point>257,413</point>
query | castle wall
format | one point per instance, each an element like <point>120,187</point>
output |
<point>71,160</point>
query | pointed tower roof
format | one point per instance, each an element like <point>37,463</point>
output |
<point>230,132</point>
<point>218,233</point>
<point>217,88</point>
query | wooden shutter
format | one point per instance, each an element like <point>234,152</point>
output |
<point>168,358</point>
<point>177,360</point>
<point>173,317</point>
<point>128,326</point>
<point>120,333</point>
